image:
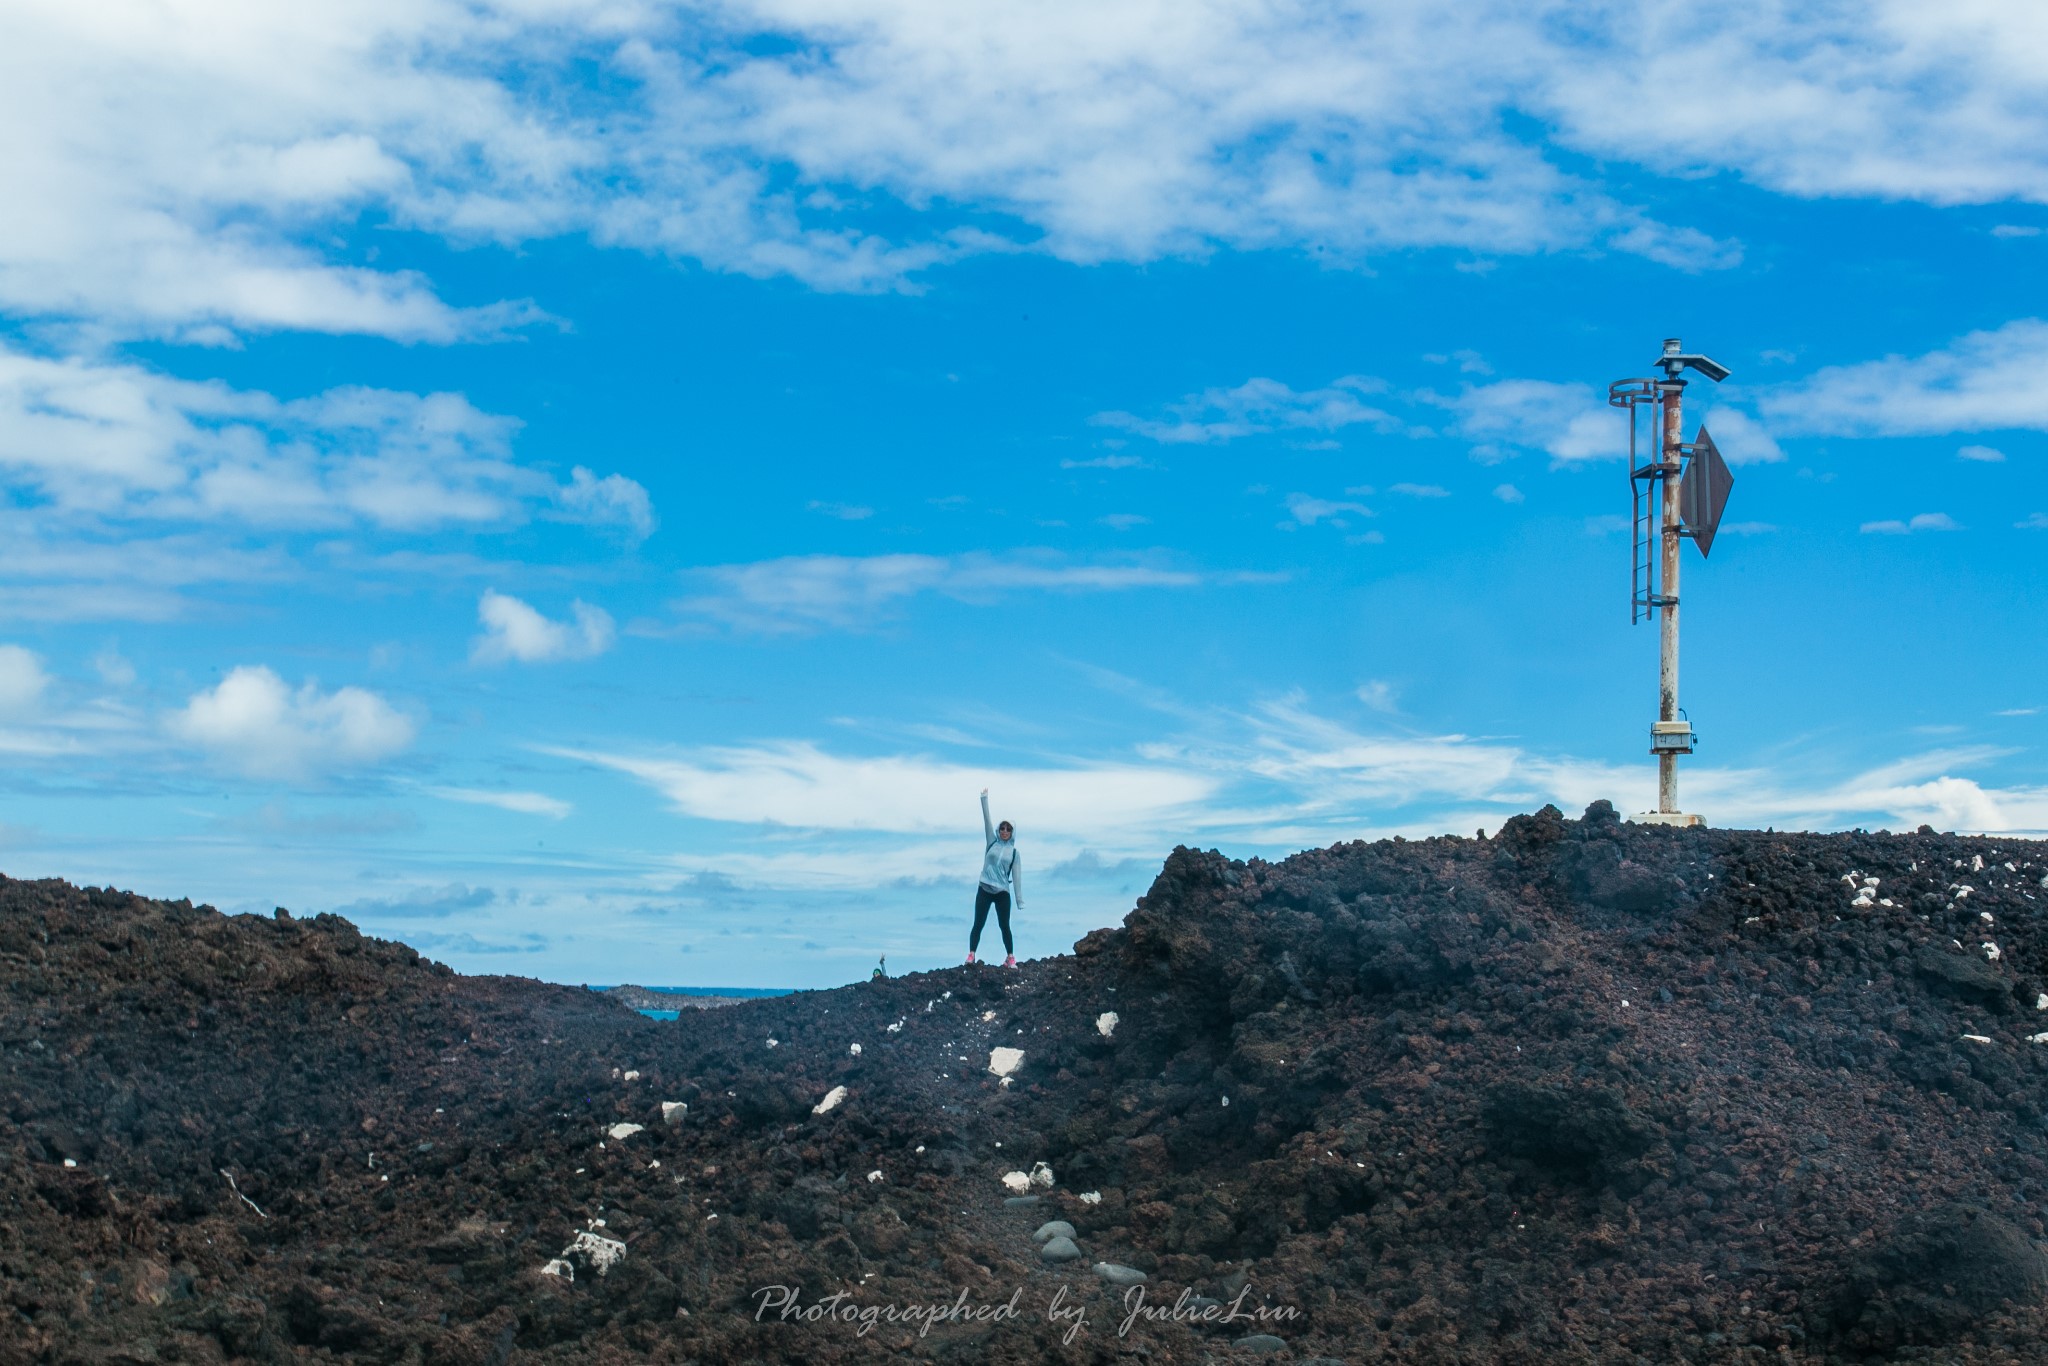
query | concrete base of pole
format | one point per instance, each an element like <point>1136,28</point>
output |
<point>1667,818</point>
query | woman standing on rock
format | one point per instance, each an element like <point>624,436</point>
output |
<point>1001,876</point>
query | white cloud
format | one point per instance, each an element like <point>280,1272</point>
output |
<point>113,440</point>
<point>1420,490</point>
<point>194,170</point>
<point>514,630</point>
<point>845,512</point>
<point>113,668</point>
<point>1985,381</point>
<point>55,569</point>
<point>1377,694</point>
<point>2015,230</point>
<point>1330,777</point>
<point>22,681</point>
<point>163,163</point>
<point>1986,455</point>
<point>1256,407</point>
<point>1469,362</point>
<point>800,786</point>
<point>1924,521</point>
<point>1902,794</point>
<point>1508,493</point>
<point>1888,99</point>
<point>1571,422</point>
<point>256,724</point>
<point>1274,778</point>
<point>525,803</point>
<point>1109,462</point>
<point>1740,438</point>
<point>613,500</point>
<point>810,592</point>
<point>1307,510</point>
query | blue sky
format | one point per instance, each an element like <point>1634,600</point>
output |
<point>596,491</point>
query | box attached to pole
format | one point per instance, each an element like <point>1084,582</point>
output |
<point>1671,737</point>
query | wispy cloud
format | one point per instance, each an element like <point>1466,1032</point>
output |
<point>1327,771</point>
<point>1109,462</point>
<point>1308,510</point>
<point>525,803</point>
<point>798,785</point>
<point>1377,694</point>
<point>1981,382</point>
<point>845,512</point>
<point>115,440</point>
<point>815,592</point>
<point>1276,776</point>
<point>1924,521</point>
<point>430,903</point>
<point>466,942</point>
<point>22,682</point>
<point>1256,407</point>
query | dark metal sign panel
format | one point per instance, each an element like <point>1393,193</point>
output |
<point>1703,492</point>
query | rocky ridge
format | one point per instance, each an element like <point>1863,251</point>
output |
<point>1581,1092</point>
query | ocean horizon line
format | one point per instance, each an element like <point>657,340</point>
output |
<point>701,991</point>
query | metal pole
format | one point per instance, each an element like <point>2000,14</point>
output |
<point>1671,457</point>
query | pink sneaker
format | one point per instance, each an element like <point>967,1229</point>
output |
<point>1011,961</point>
<point>970,955</point>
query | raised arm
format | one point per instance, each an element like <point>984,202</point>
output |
<point>987,827</point>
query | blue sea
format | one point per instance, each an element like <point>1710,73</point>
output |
<point>748,992</point>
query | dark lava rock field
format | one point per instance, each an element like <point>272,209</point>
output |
<point>1581,1092</point>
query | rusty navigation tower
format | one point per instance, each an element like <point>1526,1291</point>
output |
<point>1679,491</point>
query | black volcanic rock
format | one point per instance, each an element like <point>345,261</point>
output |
<point>1582,1092</point>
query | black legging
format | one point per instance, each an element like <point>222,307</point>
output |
<point>983,899</point>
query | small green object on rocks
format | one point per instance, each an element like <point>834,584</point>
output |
<point>1058,1228</point>
<point>1261,1342</point>
<point>1020,1202</point>
<point>1060,1250</point>
<point>1119,1275</point>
